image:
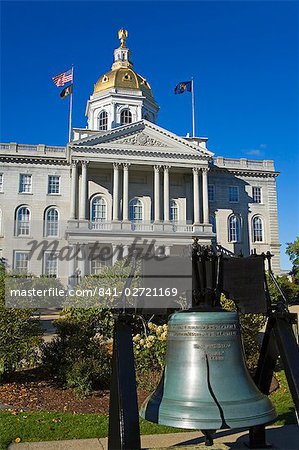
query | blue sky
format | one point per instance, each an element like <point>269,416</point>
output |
<point>242,55</point>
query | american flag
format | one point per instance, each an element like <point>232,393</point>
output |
<point>63,78</point>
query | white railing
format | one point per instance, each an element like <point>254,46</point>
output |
<point>55,149</point>
<point>139,226</point>
<point>97,225</point>
<point>27,147</point>
<point>142,227</point>
<point>243,163</point>
<point>182,228</point>
<point>31,148</point>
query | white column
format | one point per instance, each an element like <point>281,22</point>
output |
<point>125,190</point>
<point>125,250</point>
<point>72,264</point>
<point>205,196</point>
<point>115,253</point>
<point>115,191</point>
<point>83,199</point>
<point>166,193</point>
<point>195,195</point>
<point>157,193</point>
<point>82,257</point>
<point>73,191</point>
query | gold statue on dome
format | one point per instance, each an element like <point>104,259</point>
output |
<point>122,36</point>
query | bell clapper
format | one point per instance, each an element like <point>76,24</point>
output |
<point>208,434</point>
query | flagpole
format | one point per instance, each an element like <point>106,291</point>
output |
<point>193,107</point>
<point>71,107</point>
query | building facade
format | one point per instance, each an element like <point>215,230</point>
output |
<point>124,179</point>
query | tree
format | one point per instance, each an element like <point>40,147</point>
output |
<point>20,335</point>
<point>79,356</point>
<point>293,251</point>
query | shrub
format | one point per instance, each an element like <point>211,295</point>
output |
<point>20,335</point>
<point>89,373</point>
<point>149,351</point>
<point>78,357</point>
<point>79,377</point>
<point>251,325</point>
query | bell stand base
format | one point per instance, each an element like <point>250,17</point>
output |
<point>208,434</point>
<point>257,438</point>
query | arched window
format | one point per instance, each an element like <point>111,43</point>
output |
<point>52,216</point>
<point>258,229</point>
<point>234,228</point>
<point>103,121</point>
<point>23,221</point>
<point>213,222</point>
<point>125,117</point>
<point>98,209</point>
<point>174,211</point>
<point>135,210</point>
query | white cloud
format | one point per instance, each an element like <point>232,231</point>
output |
<point>259,151</point>
<point>254,151</point>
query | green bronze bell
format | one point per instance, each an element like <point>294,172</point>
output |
<point>206,384</point>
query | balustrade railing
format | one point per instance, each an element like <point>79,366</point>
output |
<point>182,228</point>
<point>243,163</point>
<point>55,149</point>
<point>141,226</point>
<point>97,225</point>
<point>32,148</point>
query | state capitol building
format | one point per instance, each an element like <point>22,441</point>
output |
<point>123,178</point>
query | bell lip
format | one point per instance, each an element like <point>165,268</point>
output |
<point>211,424</point>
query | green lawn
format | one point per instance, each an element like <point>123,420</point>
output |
<point>283,402</point>
<point>46,426</point>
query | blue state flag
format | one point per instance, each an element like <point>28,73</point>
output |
<point>182,87</point>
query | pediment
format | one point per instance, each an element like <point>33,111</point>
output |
<point>142,139</point>
<point>142,136</point>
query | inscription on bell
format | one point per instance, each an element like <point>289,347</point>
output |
<point>203,330</point>
<point>207,350</point>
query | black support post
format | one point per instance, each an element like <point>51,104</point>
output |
<point>124,431</point>
<point>279,339</point>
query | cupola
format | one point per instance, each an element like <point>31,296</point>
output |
<point>121,96</point>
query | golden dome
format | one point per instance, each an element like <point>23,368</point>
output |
<point>122,77</point>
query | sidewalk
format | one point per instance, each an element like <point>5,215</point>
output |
<point>48,328</point>
<point>282,438</point>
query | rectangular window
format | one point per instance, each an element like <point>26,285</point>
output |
<point>211,192</point>
<point>96,265</point>
<point>257,194</point>
<point>50,264</point>
<point>21,263</point>
<point>233,194</point>
<point>25,184</point>
<point>1,182</point>
<point>53,184</point>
